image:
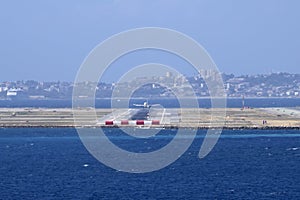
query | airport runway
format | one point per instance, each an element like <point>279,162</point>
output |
<point>235,118</point>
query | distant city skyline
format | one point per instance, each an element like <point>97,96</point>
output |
<point>273,85</point>
<point>48,40</point>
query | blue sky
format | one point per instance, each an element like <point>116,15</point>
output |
<point>49,39</point>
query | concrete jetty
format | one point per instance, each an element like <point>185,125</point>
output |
<point>236,118</point>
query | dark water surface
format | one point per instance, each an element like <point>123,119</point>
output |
<point>167,103</point>
<point>53,164</point>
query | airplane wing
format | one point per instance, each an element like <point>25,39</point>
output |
<point>155,104</point>
<point>139,105</point>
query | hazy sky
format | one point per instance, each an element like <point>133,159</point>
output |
<point>48,40</point>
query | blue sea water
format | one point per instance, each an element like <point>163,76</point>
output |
<point>52,163</point>
<point>167,103</point>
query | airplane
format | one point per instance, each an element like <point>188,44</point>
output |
<point>145,105</point>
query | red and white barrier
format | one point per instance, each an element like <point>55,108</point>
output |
<point>132,123</point>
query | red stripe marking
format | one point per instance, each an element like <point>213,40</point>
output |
<point>124,122</point>
<point>139,122</point>
<point>109,123</point>
<point>155,122</point>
